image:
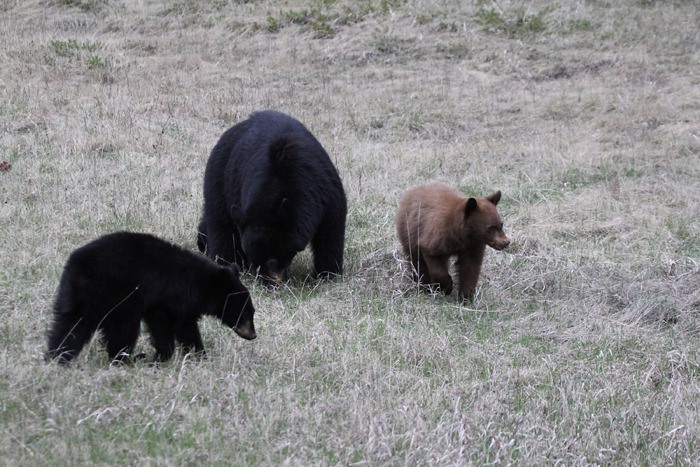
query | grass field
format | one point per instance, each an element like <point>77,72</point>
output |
<point>582,345</point>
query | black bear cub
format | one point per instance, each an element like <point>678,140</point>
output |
<point>270,189</point>
<point>114,282</point>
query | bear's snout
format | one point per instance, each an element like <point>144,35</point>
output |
<point>500,244</point>
<point>271,274</point>
<point>246,330</point>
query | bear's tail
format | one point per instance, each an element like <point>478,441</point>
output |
<point>282,148</point>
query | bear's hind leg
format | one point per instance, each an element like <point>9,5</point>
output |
<point>420,269</point>
<point>67,337</point>
<point>439,272</point>
<point>70,329</point>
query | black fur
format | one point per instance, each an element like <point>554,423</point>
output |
<point>114,282</point>
<point>270,189</point>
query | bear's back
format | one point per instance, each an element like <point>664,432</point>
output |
<point>136,256</point>
<point>271,142</point>
<point>429,217</point>
<point>431,204</point>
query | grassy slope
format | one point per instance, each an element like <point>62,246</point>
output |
<point>582,344</point>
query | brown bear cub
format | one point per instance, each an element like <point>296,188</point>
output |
<point>436,222</point>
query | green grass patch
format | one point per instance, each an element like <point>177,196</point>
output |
<point>515,23</point>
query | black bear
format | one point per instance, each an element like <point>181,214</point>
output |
<point>114,282</point>
<point>270,189</point>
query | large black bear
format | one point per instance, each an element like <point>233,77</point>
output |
<point>270,189</point>
<point>114,282</point>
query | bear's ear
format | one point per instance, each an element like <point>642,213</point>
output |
<point>495,198</point>
<point>470,207</point>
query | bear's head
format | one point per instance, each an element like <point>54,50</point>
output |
<point>238,310</point>
<point>484,223</point>
<point>269,237</point>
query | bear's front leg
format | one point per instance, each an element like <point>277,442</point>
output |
<point>327,245</point>
<point>469,267</point>
<point>162,329</point>
<point>223,244</point>
<point>189,337</point>
<point>120,337</point>
<point>439,273</point>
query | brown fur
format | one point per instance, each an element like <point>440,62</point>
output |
<point>435,222</point>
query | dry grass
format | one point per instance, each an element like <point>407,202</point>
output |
<point>582,344</point>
